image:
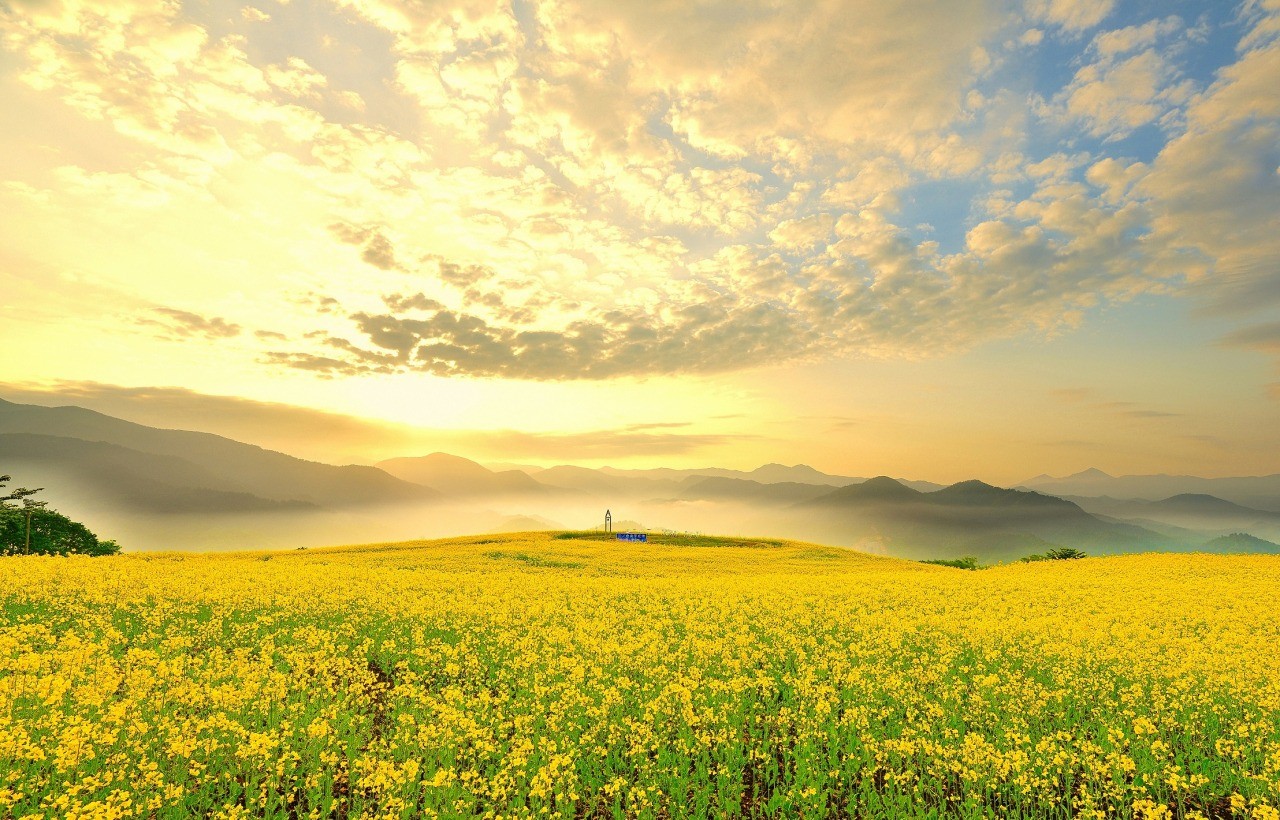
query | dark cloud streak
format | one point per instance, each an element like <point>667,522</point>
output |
<point>182,324</point>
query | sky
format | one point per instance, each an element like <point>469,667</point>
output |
<point>936,239</point>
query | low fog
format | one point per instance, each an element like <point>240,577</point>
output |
<point>291,529</point>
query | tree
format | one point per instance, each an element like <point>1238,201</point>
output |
<point>33,527</point>
<point>19,494</point>
<point>30,507</point>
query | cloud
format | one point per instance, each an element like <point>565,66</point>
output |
<point>1072,395</point>
<point>1216,442</point>
<point>1213,189</point>
<point>1075,443</point>
<point>1072,15</point>
<point>1264,337</point>
<point>1133,38</point>
<point>296,78</point>
<point>1114,97</point>
<point>376,248</point>
<point>600,444</point>
<point>1134,80</point>
<point>1115,177</point>
<point>1131,410</point>
<point>596,191</point>
<point>874,292</point>
<point>1150,414</point>
<point>803,234</point>
<point>182,324</point>
<point>836,423</point>
<point>693,338</point>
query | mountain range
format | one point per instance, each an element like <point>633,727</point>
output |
<point>971,518</point>
<point>174,487</point>
<point>1261,492</point>
<point>463,478</point>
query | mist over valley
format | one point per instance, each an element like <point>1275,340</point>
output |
<point>156,489</point>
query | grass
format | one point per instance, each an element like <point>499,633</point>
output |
<point>674,539</point>
<point>968,562</point>
<point>565,675</point>
<point>534,560</point>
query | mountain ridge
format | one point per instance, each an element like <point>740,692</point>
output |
<point>241,467</point>
<point>461,477</point>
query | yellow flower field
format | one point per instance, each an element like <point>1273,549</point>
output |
<point>541,675</point>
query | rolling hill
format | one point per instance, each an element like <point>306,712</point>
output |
<point>128,479</point>
<point>188,460</point>
<point>967,518</point>
<point>1240,542</point>
<point>1200,512</point>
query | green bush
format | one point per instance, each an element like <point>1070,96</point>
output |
<point>1058,554</point>
<point>967,562</point>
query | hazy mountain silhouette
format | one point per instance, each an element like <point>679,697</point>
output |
<point>1091,474</point>
<point>212,462</point>
<point>713,488</point>
<point>1206,514</point>
<point>878,489</point>
<point>1204,504</point>
<point>1261,492</point>
<point>128,479</point>
<point>462,477</point>
<point>797,474</point>
<point>605,485</point>
<point>967,518</point>
<point>974,493</point>
<point>665,482</point>
<point>1007,546</point>
<point>526,523</point>
<point>766,474</point>
<point>1240,542</point>
<point>213,491</point>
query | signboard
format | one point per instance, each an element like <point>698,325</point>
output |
<point>633,536</point>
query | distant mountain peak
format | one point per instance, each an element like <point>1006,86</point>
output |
<point>1206,504</point>
<point>882,486</point>
<point>773,465</point>
<point>774,473</point>
<point>1240,542</point>
<point>1093,473</point>
<point>459,476</point>
<point>440,461</point>
<point>450,457</point>
<point>974,484</point>
<point>979,493</point>
<point>882,481</point>
<point>1090,475</point>
<point>879,489</point>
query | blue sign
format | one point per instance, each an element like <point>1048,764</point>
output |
<point>633,536</point>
